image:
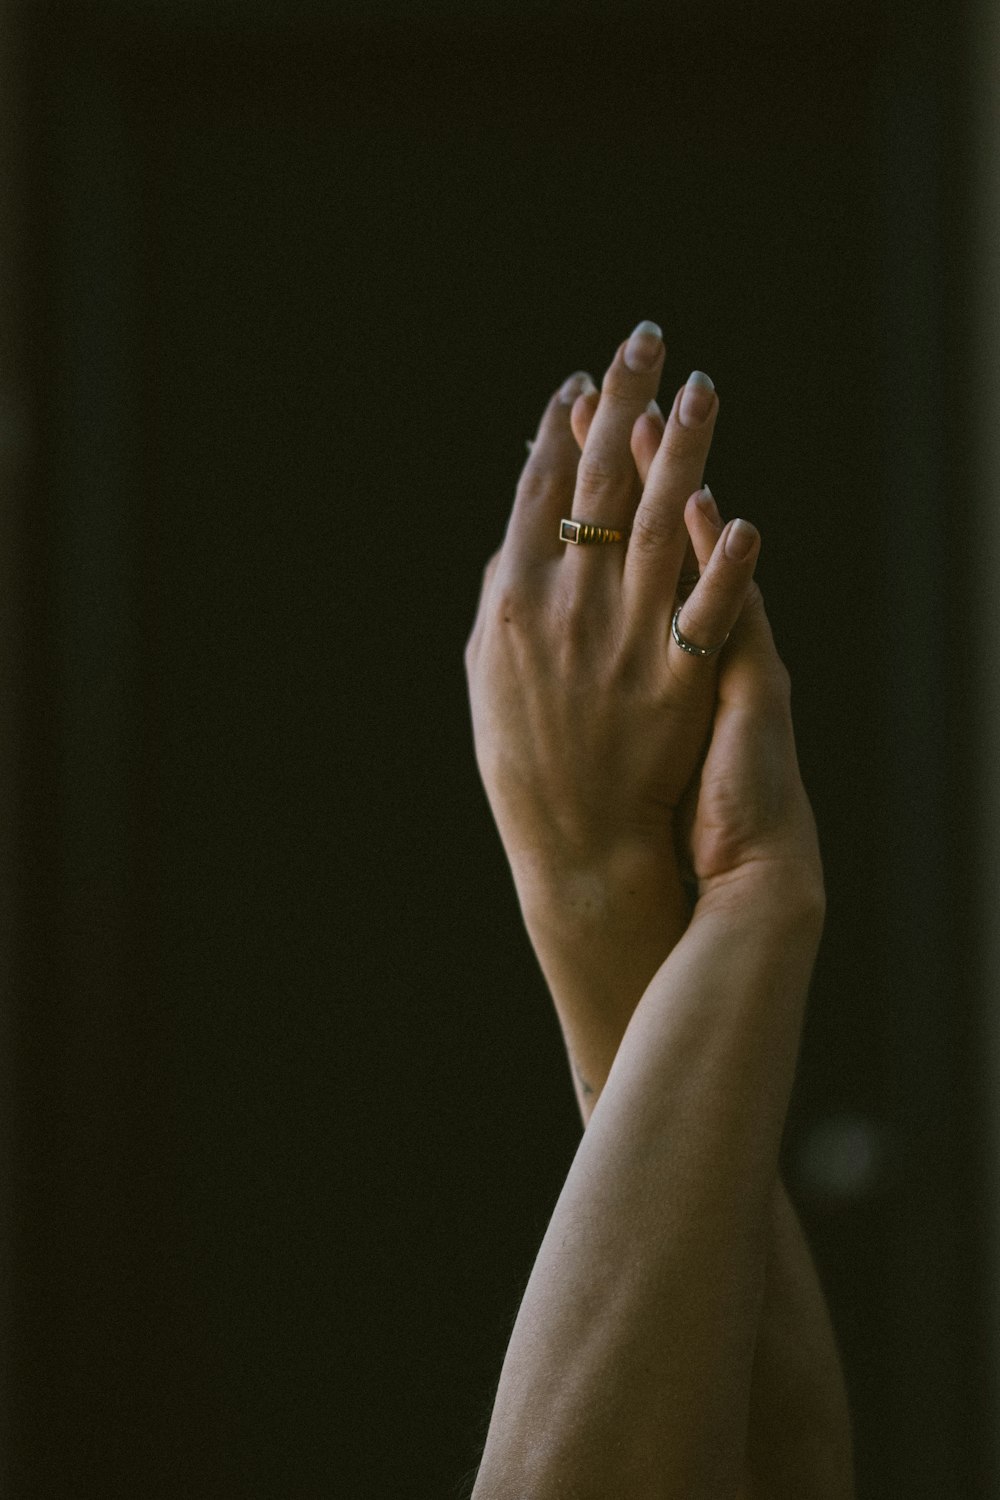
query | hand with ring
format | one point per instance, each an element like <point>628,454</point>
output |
<point>741,807</point>
<point>620,715</point>
<point>589,714</point>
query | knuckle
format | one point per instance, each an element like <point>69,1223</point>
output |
<point>518,600</point>
<point>510,603</point>
<point>618,390</point>
<point>680,442</point>
<point>653,529</point>
<point>505,600</point>
<point>597,470</point>
<point>535,482</point>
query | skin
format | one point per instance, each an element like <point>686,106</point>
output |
<point>591,728</point>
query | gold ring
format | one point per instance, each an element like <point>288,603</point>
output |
<point>582,533</point>
<point>689,646</point>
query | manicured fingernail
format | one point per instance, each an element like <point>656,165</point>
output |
<point>706,502</point>
<point>644,347</point>
<point>696,402</point>
<point>654,410</point>
<point>740,539</point>
<point>575,386</point>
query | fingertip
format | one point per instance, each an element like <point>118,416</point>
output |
<point>701,507</point>
<point>651,421</point>
<point>741,541</point>
<point>648,426</point>
<point>582,415</point>
<point>702,528</point>
<point>578,384</point>
<point>644,441</point>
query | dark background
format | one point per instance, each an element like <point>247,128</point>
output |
<point>285,1104</point>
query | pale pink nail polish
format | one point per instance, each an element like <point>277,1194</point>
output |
<point>696,402</point>
<point>740,540</point>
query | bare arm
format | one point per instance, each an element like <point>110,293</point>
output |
<point>597,957</point>
<point>589,723</point>
<point>628,1370</point>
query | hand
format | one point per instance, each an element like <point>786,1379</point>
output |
<point>589,719</point>
<point>745,813</point>
<point>547,708</point>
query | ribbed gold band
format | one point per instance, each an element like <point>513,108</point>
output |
<point>582,533</point>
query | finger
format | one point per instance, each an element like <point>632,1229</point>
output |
<point>704,526</point>
<point>647,432</point>
<point>713,608</point>
<point>582,414</point>
<point>489,573</point>
<point>607,484</point>
<point>545,488</point>
<point>755,675</point>
<point>659,539</point>
<point>647,429</point>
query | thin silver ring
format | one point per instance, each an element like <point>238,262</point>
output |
<point>689,646</point>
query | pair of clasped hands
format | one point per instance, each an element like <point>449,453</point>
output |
<point>673,1338</point>
<point>620,768</point>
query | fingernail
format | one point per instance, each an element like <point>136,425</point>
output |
<point>706,502</point>
<point>696,402</point>
<point>644,347</point>
<point>575,386</point>
<point>654,410</point>
<point>740,539</point>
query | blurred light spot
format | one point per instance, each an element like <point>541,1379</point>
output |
<point>841,1158</point>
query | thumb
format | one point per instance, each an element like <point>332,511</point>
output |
<point>752,674</point>
<point>751,804</point>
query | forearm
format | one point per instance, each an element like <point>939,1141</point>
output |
<point>599,937</point>
<point>799,1441</point>
<point>799,1437</point>
<point>628,1370</point>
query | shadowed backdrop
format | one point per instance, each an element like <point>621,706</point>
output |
<point>286,1105</point>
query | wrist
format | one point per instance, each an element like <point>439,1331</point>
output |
<point>782,894</point>
<point>600,929</point>
<point>625,889</point>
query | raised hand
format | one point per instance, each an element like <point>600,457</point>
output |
<point>591,733</point>
<point>748,817</point>
<point>746,810</point>
<point>589,718</point>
